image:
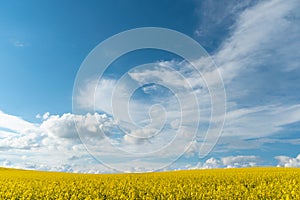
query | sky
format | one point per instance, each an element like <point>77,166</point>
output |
<point>241,110</point>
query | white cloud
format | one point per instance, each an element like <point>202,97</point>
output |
<point>240,161</point>
<point>215,18</point>
<point>46,115</point>
<point>260,121</point>
<point>50,144</point>
<point>229,162</point>
<point>67,125</point>
<point>6,163</point>
<point>4,134</point>
<point>258,31</point>
<point>100,91</point>
<point>30,140</point>
<point>211,163</point>
<point>14,123</point>
<point>285,161</point>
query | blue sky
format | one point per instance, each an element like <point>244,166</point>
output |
<point>254,44</point>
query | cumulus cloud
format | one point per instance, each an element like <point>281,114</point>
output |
<point>229,162</point>
<point>240,161</point>
<point>285,161</point>
<point>53,129</point>
<point>28,141</point>
<point>50,144</point>
<point>67,125</point>
<point>212,163</point>
<point>46,115</point>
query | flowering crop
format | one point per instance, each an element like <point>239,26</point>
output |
<point>247,183</point>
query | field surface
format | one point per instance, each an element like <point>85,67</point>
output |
<point>252,183</point>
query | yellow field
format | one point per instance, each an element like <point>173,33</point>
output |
<point>253,183</point>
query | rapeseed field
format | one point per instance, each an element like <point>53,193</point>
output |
<point>246,183</point>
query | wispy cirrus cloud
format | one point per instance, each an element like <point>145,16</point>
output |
<point>13,123</point>
<point>259,66</point>
<point>262,33</point>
